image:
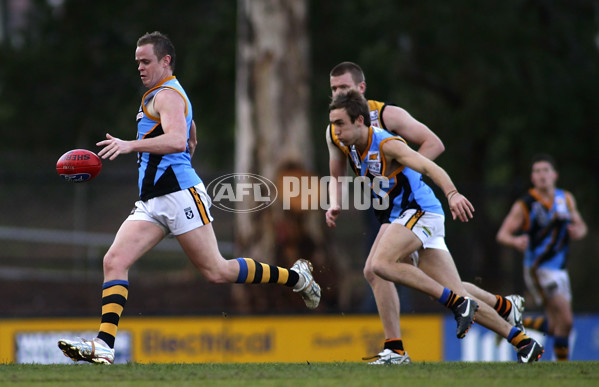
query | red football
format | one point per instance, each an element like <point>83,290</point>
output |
<point>79,165</point>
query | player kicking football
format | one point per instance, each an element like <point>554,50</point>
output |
<point>173,200</point>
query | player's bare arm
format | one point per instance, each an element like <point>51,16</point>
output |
<point>460,207</point>
<point>193,138</point>
<point>400,122</point>
<point>171,107</point>
<point>337,168</point>
<point>513,223</point>
<point>578,228</point>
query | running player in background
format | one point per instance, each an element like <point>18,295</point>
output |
<point>349,76</point>
<point>412,219</point>
<point>541,224</point>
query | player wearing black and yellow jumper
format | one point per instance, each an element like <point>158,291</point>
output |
<point>172,200</point>
<point>541,224</point>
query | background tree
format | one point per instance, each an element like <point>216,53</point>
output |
<point>273,135</point>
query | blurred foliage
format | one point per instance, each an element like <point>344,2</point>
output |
<point>497,81</point>
<point>74,78</point>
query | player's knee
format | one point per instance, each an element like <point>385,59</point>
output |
<point>216,273</point>
<point>566,323</point>
<point>369,274</point>
<point>112,263</point>
<point>379,269</point>
<point>214,276</point>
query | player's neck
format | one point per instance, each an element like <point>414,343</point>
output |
<point>546,192</point>
<point>362,142</point>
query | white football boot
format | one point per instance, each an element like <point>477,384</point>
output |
<point>388,356</point>
<point>93,351</point>
<point>515,316</point>
<point>310,291</point>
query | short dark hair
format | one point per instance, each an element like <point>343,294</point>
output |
<point>162,45</point>
<point>354,104</point>
<point>543,157</point>
<point>349,67</point>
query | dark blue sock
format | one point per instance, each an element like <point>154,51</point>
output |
<point>445,296</point>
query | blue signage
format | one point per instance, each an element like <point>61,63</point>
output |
<point>481,344</point>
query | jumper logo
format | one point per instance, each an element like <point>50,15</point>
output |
<point>255,192</point>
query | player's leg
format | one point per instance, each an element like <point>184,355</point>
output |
<point>134,238</point>
<point>561,320</point>
<point>387,303</point>
<point>132,241</point>
<point>509,307</point>
<point>536,322</point>
<point>479,293</point>
<point>556,284</point>
<point>397,242</point>
<point>201,246</point>
<point>551,289</point>
<point>439,265</point>
<point>191,224</point>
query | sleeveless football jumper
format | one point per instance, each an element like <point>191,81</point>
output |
<point>162,174</point>
<point>546,224</point>
<point>405,188</point>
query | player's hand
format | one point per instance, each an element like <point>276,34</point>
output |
<point>520,242</point>
<point>191,146</point>
<point>331,216</point>
<point>113,147</point>
<point>575,232</point>
<point>460,207</point>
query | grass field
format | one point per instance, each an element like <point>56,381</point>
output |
<point>544,374</point>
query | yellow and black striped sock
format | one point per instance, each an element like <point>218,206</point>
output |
<point>114,297</point>
<point>254,272</point>
<point>518,338</point>
<point>396,345</point>
<point>561,348</point>
<point>503,306</point>
<point>538,323</point>
<point>450,299</point>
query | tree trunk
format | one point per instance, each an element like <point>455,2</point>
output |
<point>273,138</point>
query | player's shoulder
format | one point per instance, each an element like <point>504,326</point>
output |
<point>568,195</point>
<point>169,96</point>
<point>384,133</point>
<point>563,191</point>
<point>387,140</point>
<point>528,198</point>
<point>374,104</point>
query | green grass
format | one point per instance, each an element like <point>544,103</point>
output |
<point>544,374</point>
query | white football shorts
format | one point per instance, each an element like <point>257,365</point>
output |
<point>427,226</point>
<point>546,283</point>
<point>178,212</point>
